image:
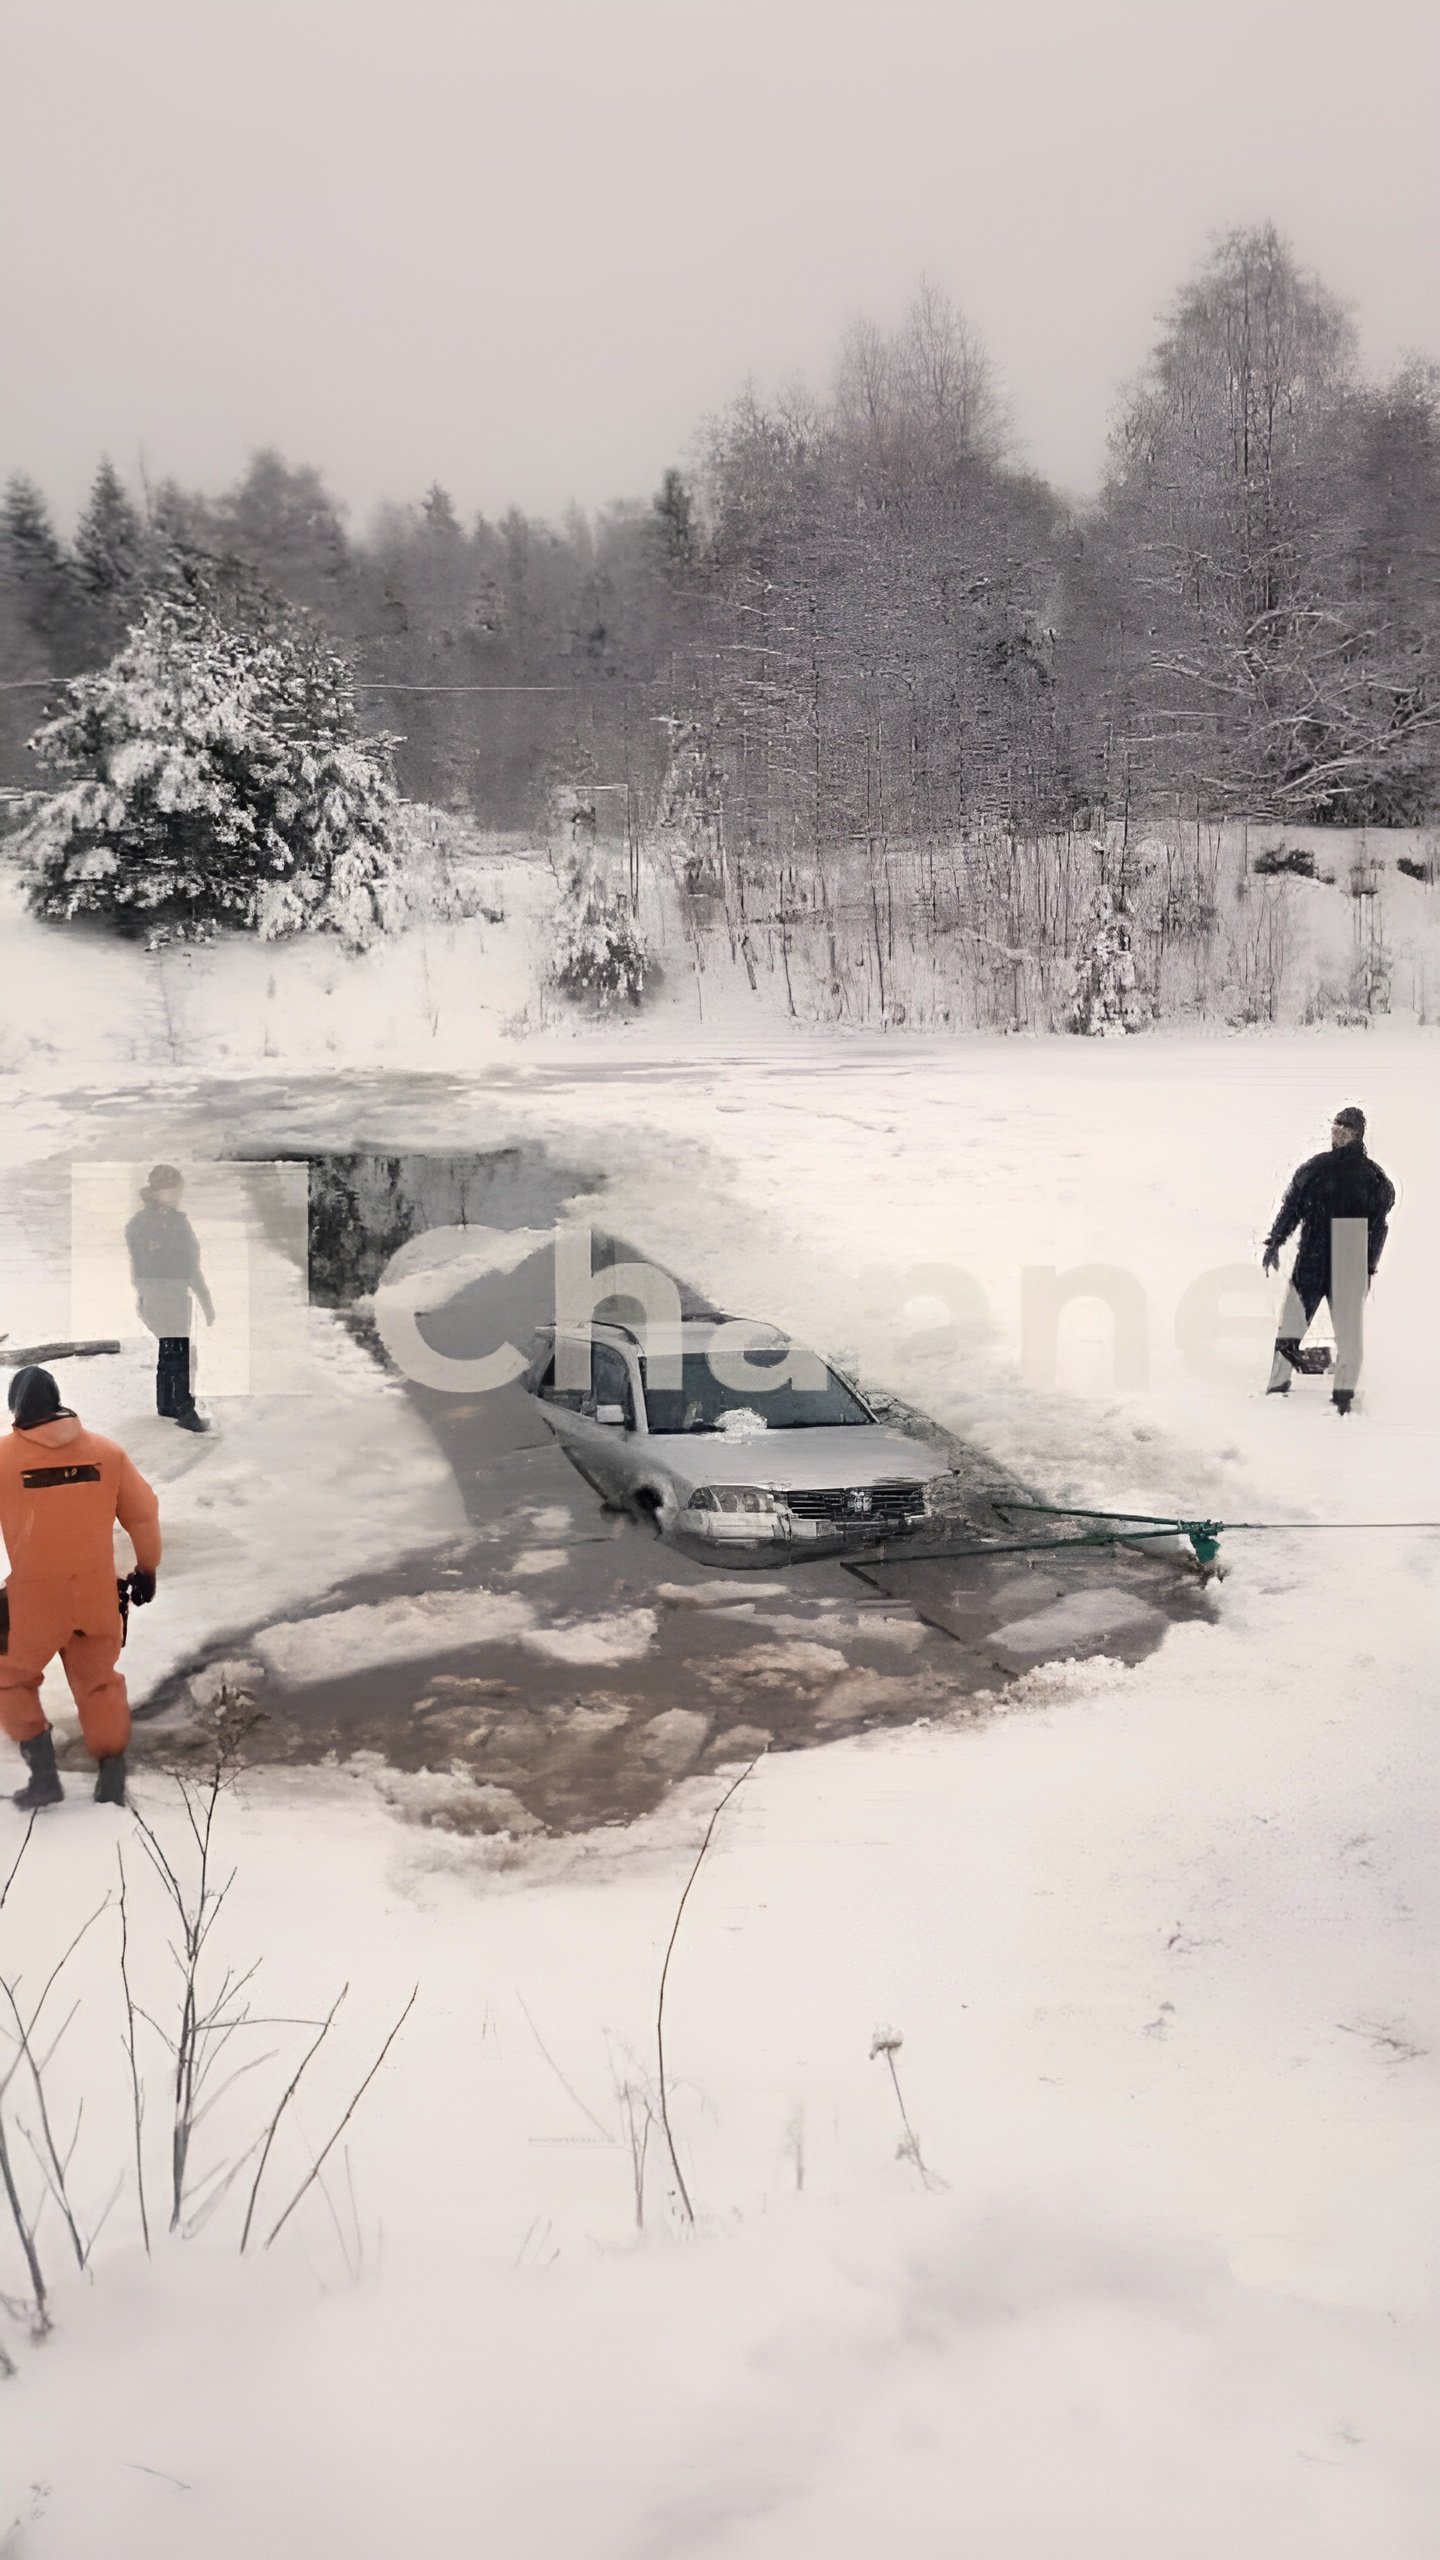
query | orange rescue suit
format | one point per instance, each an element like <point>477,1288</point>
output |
<point>62,1489</point>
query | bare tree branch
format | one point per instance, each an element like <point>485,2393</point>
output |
<point>19,1854</point>
<point>307,2183</point>
<point>662,2097</point>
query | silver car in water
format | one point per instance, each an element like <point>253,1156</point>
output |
<point>735,1475</point>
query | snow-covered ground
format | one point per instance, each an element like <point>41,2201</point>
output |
<point>1160,1943</point>
<point>467,983</point>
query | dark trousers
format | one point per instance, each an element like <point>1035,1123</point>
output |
<point>174,1381</point>
<point>1305,1294</point>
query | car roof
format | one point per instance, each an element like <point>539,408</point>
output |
<point>692,1331</point>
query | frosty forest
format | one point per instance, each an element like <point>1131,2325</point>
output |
<point>879,713</point>
<point>718,1773</point>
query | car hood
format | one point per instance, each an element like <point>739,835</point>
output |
<point>852,1454</point>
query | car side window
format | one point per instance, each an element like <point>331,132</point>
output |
<point>573,1399</point>
<point>610,1380</point>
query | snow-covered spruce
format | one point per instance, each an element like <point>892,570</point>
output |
<point>216,778</point>
<point>600,952</point>
<point>1106,998</point>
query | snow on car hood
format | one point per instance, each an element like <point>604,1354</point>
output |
<point>846,1454</point>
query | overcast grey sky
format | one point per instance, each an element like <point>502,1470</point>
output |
<point>525,246</point>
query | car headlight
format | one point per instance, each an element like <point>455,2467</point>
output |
<point>732,1497</point>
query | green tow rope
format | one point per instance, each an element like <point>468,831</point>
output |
<point>1204,1535</point>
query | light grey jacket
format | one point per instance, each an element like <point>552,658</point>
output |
<point>165,1267</point>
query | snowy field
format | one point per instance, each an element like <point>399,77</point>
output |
<point>1157,2272</point>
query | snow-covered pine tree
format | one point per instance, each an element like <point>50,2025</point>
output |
<point>38,575</point>
<point>1106,999</point>
<point>110,555</point>
<point>674,517</point>
<point>216,777</point>
<point>600,951</point>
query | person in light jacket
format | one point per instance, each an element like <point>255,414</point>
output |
<point>169,1283</point>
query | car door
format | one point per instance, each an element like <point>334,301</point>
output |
<point>600,1451</point>
<point>609,1446</point>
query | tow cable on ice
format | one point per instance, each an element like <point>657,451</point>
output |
<point>1123,1528</point>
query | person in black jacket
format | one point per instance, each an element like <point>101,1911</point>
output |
<point>1342,1189</point>
<point>165,1268</point>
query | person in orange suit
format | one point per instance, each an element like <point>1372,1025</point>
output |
<point>62,1489</point>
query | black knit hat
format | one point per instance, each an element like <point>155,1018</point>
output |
<point>35,1398</point>
<point>1352,1117</point>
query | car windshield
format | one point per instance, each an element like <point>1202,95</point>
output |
<point>702,1402</point>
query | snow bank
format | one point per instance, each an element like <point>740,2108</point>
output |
<point>441,993</point>
<point>981,1161</point>
<point>469,975</point>
<point>1158,1956</point>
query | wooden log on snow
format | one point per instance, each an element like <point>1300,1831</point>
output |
<point>39,1352</point>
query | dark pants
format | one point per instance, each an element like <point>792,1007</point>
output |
<point>1305,1294</point>
<point>174,1383</point>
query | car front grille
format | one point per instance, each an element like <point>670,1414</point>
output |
<point>857,1506</point>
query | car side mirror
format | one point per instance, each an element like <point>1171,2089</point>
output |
<point>613,1414</point>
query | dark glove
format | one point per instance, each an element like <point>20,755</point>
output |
<point>142,1587</point>
<point>1270,1259</point>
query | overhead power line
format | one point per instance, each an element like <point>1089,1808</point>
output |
<point>387,684</point>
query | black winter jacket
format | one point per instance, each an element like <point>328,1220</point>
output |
<point>1344,1182</point>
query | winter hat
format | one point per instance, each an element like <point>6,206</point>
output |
<point>35,1398</point>
<point>1352,1117</point>
<point>164,1177</point>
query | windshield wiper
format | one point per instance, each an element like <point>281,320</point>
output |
<point>841,1422</point>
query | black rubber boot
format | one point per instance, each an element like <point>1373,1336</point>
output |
<point>1342,1399</point>
<point>176,1395</point>
<point>110,1779</point>
<point>43,1785</point>
<point>172,1377</point>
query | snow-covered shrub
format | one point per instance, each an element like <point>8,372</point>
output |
<point>1106,998</point>
<point>600,952</point>
<point>1349,999</point>
<point>216,777</point>
<point>450,865</point>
